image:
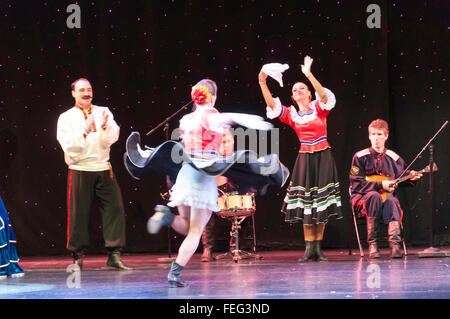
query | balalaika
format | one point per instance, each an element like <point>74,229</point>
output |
<point>378,178</point>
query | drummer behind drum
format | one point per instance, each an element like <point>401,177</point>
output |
<point>208,240</point>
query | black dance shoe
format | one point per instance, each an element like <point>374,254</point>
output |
<point>78,260</point>
<point>114,260</point>
<point>308,252</point>
<point>318,256</point>
<point>174,276</point>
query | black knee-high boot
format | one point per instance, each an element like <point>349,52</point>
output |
<point>318,251</point>
<point>395,239</point>
<point>308,252</point>
<point>174,276</point>
<point>372,237</point>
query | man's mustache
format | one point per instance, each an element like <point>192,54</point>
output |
<point>87,97</point>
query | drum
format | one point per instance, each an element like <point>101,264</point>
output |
<point>221,203</point>
<point>234,202</point>
<point>231,204</point>
<point>248,201</point>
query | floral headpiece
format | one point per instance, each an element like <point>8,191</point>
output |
<point>201,94</point>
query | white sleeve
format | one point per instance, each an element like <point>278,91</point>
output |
<point>250,121</point>
<point>220,122</point>
<point>72,141</point>
<point>331,100</point>
<point>274,113</point>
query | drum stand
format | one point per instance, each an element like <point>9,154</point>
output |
<point>234,251</point>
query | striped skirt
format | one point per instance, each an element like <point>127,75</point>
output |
<point>313,192</point>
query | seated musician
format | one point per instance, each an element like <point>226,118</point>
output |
<point>208,240</point>
<point>372,189</point>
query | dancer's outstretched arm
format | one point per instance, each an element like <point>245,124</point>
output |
<point>306,69</point>
<point>265,90</point>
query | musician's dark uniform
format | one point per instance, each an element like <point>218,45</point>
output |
<point>365,195</point>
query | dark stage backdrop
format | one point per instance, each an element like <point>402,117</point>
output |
<point>142,57</point>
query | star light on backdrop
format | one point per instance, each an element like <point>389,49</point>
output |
<point>143,57</point>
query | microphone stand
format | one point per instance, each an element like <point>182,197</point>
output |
<point>166,130</point>
<point>432,251</point>
<point>168,119</point>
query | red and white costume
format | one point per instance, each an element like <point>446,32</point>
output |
<point>202,138</point>
<point>313,193</point>
<point>310,126</point>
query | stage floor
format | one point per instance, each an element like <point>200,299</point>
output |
<point>277,276</point>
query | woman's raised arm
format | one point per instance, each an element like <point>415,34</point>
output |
<point>306,69</point>
<point>265,90</point>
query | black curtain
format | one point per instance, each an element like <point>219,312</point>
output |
<point>142,57</point>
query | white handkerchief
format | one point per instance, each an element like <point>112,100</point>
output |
<point>275,70</point>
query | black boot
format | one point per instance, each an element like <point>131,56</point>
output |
<point>395,239</point>
<point>372,234</point>
<point>114,260</point>
<point>78,259</point>
<point>174,276</point>
<point>153,225</point>
<point>318,251</point>
<point>308,252</point>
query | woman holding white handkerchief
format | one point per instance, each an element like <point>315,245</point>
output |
<point>313,194</point>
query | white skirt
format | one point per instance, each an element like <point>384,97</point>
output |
<point>195,189</point>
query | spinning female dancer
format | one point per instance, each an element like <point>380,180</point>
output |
<point>313,193</point>
<point>195,190</point>
<point>194,193</point>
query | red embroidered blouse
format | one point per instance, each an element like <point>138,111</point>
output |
<point>310,126</point>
